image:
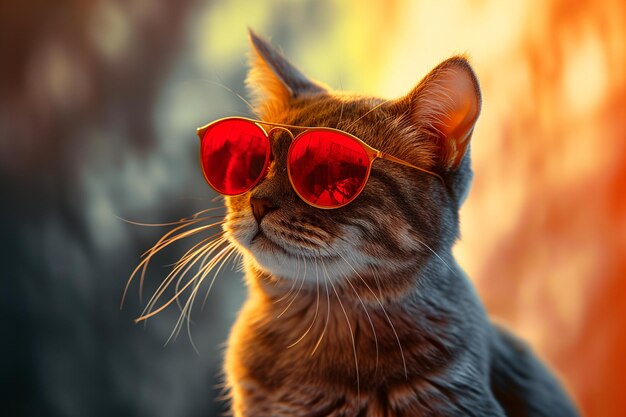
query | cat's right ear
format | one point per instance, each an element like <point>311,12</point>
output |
<point>445,106</point>
<point>273,80</point>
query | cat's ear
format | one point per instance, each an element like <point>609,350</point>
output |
<point>272,79</point>
<point>445,105</point>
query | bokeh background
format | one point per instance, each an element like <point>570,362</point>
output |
<point>99,101</point>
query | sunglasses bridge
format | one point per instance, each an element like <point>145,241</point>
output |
<point>278,128</point>
<point>378,154</point>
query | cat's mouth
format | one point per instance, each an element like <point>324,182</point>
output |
<point>262,241</point>
<point>286,252</point>
<point>280,258</point>
<point>284,242</point>
<point>274,250</point>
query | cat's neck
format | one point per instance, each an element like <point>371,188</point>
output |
<point>331,330</point>
<point>329,317</point>
<point>430,284</point>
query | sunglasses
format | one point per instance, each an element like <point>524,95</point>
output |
<point>327,168</point>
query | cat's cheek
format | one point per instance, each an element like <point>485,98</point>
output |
<point>241,233</point>
<point>307,272</point>
<point>267,256</point>
<point>283,266</point>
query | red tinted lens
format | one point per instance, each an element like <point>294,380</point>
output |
<point>328,169</point>
<point>234,155</point>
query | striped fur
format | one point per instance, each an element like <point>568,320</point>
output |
<point>362,310</point>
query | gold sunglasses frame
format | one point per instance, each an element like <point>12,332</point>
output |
<point>372,153</point>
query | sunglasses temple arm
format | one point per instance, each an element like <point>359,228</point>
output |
<point>392,158</point>
<point>200,131</point>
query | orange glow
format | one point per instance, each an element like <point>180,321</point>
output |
<point>544,228</point>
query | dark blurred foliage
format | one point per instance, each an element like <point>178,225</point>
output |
<point>80,84</point>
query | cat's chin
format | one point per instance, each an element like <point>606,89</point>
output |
<point>267,241</point>
<point>257,242</point>
<point>303,270</point>
<point>291,263</point>
<point>288,263</point>
<point>288,260</point>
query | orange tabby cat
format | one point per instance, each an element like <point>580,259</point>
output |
<point>362,310</point>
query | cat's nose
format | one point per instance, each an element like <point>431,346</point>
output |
<point>260,207</point>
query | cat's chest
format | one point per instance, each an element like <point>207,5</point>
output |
<point>410,398</point>
<point>327,346</point>
<point>369,368</point>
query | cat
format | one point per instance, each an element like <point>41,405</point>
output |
<point>362,310</point>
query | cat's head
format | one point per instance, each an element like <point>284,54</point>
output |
<point>402,219</point>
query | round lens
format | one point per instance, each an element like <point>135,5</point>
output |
<point>234,155</point>
<point>328,169</point>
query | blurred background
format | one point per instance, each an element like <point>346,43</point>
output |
<point>99,102</point>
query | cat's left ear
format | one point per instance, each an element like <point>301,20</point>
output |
<point>445,105</point>
<point>273,80</point>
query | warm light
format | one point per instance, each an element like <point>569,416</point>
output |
<point>539,227</point>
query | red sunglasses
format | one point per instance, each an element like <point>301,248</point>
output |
<point>327,168</point>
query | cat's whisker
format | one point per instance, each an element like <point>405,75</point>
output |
<point>294,281</point>
<point>200,214</point>
<point>144,262</point>
<point>215,274</point>
<point>174,223</point>
<point>369,318</point>
<point>134,223</point>
<point>436,254</point>
<point>239,261</point>
<point>164,306</point>
<point>294,297</point>
<point>178,293</point>
<point>188,253</point>
<point>194,219</point>
<point>343,102</point>
<point>185,313</point>
<point>406,373</point>
<point>201,253</point>
<point>206,253</point>
<point>319,340</point>
<point>193,344</point>
<point>377,281</point>
<point>367,112</point>
<point>167,235</point>
<point>345,314</point>
<point>208,210</point>
<point>317,306</point>
<point>376,274</point>
<point>220,259</point>
<point>239,96</point>
<point>162,244</point>
<point>192,258</point>
<point>375,269</point>
<point>202,272</point>
<point>166,240</point>
<point>217,197</point>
